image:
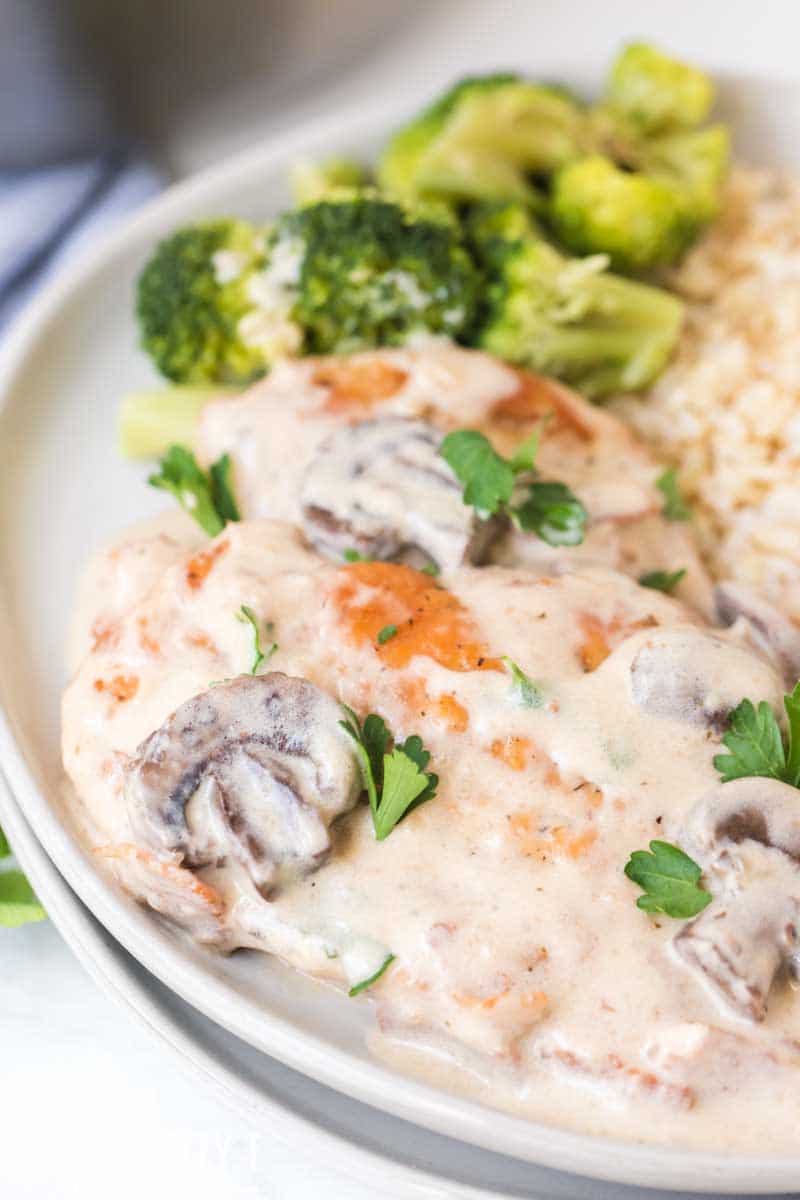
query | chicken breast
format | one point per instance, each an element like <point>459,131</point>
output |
<point>495,921</point>
<point>298,448</point>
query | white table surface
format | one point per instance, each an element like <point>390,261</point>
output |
<point>92,1107</point>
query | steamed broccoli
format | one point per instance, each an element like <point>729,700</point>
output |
<point>192,295</point>
<point>656,93</point>
<point>486,138</point>
<point>219,302</point>
<point>568,317</point>
<point>372,275</point>
<point>312,181</point>
<point>655,178</point>
<point>636,220</point>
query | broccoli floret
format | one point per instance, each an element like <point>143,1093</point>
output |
<point>655,178</point>
<point>192,295</point>
<point>372,275</point>
<point>693,163</point>
<point>656,93</point>
<point>219,302</point>
<point>311,182</point>
<point>644,217</point>
<point>638,221</point>
<point>484,139</point>
<point>567,317</point>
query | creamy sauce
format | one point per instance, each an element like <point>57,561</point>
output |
<point>524,974</point>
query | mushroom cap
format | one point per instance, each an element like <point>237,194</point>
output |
<point>381,487</point>
<point>691,674</point>
<point>765,626</point>
<point>254,769</point>
<point>746,835</point>
<point>754,809</point>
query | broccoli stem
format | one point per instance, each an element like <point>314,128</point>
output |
<point>152,421</point>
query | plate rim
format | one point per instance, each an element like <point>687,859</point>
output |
<point>74,923</point>
<point>370,1082</point>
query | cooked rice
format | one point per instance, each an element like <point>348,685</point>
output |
<point>726,413</point>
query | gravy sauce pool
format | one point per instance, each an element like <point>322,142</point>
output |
<point>524,974</point>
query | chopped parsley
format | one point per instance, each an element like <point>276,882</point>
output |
<point>221,475</point>
<point>553,512</point>
<point>352,556</point>
<point>675,507</point>
<point>365,983</point>
<point>430,569</point>
<point>527,693</point>
<point>756,743</point>
<point>662,581</point>
<point>396,781</point>
<point>548,509</point>
<point>669,879</point>
<point>207,496</point>
<point>386,633</point>
<point>246,615</point>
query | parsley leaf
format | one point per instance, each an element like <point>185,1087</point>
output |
<point>221,475</point>
<point>553,512</point>
<point>662,581</point>
<point>549,508</point>
<point>414,749</point>
<point>18,903</point>
<point>246,615</point>
<point>675,507</point>
<point>395,782</point>
<point>488,479</point>
<point>524,457</point>
<point>528,694</point>
<point>365,983</point>
<point>755,742</point>
<point>207,497</point>
<point>792,705</point>
<point>385,634</point>
<point>669,880</point>
<point>430,569</point>
<point>355,556</point>
<point>403,783</point>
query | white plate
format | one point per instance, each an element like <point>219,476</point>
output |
<point>398,1160</point>
<point>62,490</point>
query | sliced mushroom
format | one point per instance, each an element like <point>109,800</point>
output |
<point>762,625</point>
<point>746,836</point>
<point>382,488</point>
<point>690,674</point>
<point>253,770</point>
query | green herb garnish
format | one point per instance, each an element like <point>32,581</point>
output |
<point>662,581</point>
<point>527,693</point>
<point>386,633</point>
<point>365,983</point>
<point>396,782</point>
<point>352,556</point>
<point>246,615</point>
<point>756,743</point>
<point>549,509</point>
<point>553,512</point>
<point>205,496</point>
<point>675,507</point>
<point>669,880</point>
